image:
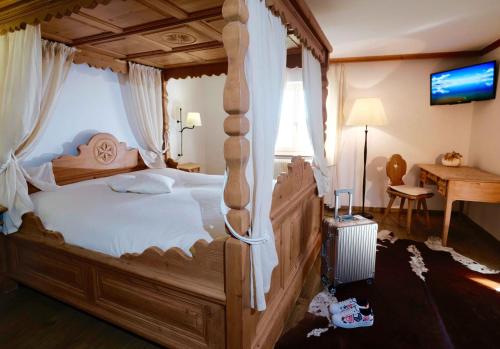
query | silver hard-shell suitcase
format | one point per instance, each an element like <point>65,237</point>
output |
<point>349,247</point>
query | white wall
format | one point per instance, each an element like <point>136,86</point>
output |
<point>416,130</point>
<point>205,144</point>
<point>484,153</point>
<point>90,102</point>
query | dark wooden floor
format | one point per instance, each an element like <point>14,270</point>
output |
<point>29,319</point>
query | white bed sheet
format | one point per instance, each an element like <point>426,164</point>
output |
<point>90,215</point>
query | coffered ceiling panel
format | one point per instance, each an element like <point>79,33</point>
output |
<point>168,59</point>
<point>127,45</point>
<point>68,28</point>
<point>196,5</point>
<point>124,13</point>
<point>179,36</point>
<point>210,54</point>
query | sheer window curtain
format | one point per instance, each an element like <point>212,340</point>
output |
<point>20,95</point>
<point>142,97</point>
<point>334,123</point>
<point>265,69</point>
<point>311,75</point>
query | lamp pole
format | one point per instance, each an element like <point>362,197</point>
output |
<point>363,213</point>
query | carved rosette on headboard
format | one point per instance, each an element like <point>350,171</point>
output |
<point>102,156</point>
<point>103,152</point>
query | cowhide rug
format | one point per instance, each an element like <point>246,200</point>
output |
<point>424,296</point>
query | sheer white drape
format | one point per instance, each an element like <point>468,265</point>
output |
<point>334,123</point>
<point>56,63</point>
<point>265,69</point>
<point>311,75</point>
<point>20,96</point>
<point>142,96</point>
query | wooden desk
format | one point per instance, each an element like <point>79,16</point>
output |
<point>460,183</point>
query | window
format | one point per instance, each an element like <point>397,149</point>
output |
<point>293,137</point>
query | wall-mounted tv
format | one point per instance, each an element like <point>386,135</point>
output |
<point>472,83</point>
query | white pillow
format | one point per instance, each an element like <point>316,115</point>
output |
<point>120,183</point>
<point>142,183</point>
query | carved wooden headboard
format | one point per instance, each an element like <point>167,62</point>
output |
<point>102,156</point>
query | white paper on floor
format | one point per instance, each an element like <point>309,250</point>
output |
<point>317,332</point>
<point>319,307</point>
<point>417,262</point>
<point>434,243</point>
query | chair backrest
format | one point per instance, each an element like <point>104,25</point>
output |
<point>396,169</point>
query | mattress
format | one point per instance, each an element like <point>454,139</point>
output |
<point>90,215</point>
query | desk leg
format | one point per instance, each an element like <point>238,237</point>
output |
<point>447,219</point>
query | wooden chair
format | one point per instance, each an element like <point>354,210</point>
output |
<point>396,169</point>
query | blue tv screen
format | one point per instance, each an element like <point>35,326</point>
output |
<point>462,85</point>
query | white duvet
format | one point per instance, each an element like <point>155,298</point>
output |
<point>91,215</point>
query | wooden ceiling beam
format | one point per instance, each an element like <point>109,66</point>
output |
<point>166,8</point>
<point>152,26</point>
<point>490,47</point>
<point>185,49</point>
<point>95,22</point>
<point>405,57</point>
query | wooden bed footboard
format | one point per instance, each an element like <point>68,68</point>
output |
<point>296,215</point>
<point>173,299</point>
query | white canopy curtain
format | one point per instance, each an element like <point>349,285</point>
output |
<point>142,97</point>
<point>56,63</point>
<point>334,123</point>
<point>265,70</point>
<point>20,95</point>
<point>313,94</point>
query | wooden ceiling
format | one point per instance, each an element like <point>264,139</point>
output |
<point>159,33</point>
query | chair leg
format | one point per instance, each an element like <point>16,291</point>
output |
<point>411,203</point>
<point>401,206</point>
<point>388,209</point>
<point>427,217</point>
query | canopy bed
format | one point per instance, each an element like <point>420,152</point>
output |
<point>234,284</point>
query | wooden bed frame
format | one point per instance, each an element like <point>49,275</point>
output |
<point>178,301</point>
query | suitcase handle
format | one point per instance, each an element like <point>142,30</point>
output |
<point>337,193</point>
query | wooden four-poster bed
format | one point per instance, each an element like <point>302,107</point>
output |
<point>202,301</point>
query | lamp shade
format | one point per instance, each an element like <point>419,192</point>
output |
<point>193,119</point>
<point>367,111</point>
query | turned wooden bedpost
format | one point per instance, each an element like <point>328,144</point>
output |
<point>236,125</point>
<point>237,191</point>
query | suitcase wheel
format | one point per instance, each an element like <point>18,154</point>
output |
<point>370,281</point>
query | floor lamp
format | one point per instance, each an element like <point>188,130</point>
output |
<point>366,112</point>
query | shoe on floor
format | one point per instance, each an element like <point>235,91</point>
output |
<point>353,318</point>
<point>336,308</point>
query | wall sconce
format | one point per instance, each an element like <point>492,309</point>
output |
<point>193,120</point>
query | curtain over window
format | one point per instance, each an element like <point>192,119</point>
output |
<point>311,74</point>
<point>293,138</point>
<point>265,68</point>
<point>142,96</point>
